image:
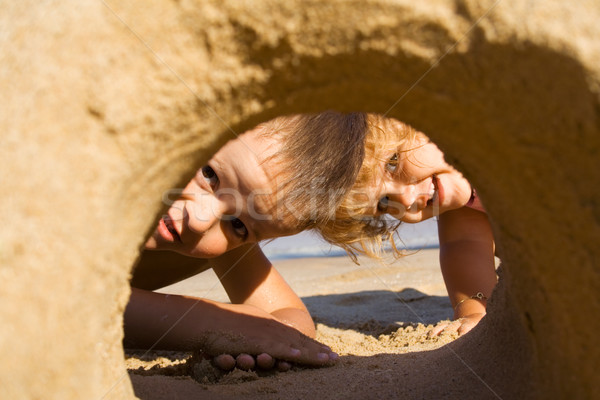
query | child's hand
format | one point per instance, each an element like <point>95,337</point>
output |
<point>460,325</point>
<point>244,361</point>
<point>256,338</point>
<point>263,361</point>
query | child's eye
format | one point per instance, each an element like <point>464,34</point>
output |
<point>382,205</point>
<point>210,175</point>
<point>392,164</point>
<point>239,228</point>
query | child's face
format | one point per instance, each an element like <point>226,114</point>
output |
<point>418,184</point>
<point>230,201</point>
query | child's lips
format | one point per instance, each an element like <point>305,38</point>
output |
<point>439,191</point>
<point>435,195</point>
<point>167,230</point>
<point>432,192</point>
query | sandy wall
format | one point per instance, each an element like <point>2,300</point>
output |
<point>107,104</point>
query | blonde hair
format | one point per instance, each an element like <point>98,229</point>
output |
<point>355,228</point>
<point>320,156</point>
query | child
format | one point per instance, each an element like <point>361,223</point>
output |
<point>405,175</point>
<point>278,179</point>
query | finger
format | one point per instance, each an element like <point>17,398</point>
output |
<point>323,357</point>
<point>283,366</point>
<point>466,327</point>
<point>316,356</point>
<point>265,361</point>
<point>308,351</point>
<point>437,329</point>
<point>226,362</point>
<point>245,362</point>
<point>333,356</point>
<point>454,326</point>
<point>295,352</point>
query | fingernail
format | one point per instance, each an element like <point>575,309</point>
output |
<point>322,356</point>
<point>333,356</point>
<point>295,352</point>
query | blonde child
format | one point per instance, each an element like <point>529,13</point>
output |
<point>405,175</point>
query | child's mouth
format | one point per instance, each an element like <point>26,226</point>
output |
<point>171,228</point>
<point>434,191</point>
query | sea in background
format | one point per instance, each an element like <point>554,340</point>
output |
<point>307,244</point>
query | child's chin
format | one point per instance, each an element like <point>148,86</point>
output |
<point>425,214</point>
<point>412,219</point>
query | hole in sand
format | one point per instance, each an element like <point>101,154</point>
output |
<point>379,306</point>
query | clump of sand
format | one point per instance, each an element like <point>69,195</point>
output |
<point>371,338</point>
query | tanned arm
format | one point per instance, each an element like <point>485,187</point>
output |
<point>467,263</point>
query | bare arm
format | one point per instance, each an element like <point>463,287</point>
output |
<point>467,262</point>
<point>249,278</point>
<point>159,321</point>
<point>266,317</point>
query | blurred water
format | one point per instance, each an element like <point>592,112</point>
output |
<point>307,244</point>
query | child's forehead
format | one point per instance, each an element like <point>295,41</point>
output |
<point>249,157</point>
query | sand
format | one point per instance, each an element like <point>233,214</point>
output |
<point>373,315</point>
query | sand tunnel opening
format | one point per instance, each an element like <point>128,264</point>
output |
<point>174,259</point>
<point>483,110</point>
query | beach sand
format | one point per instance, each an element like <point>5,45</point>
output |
<point>374,315</point>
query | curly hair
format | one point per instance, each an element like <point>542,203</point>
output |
<point>354,227</point>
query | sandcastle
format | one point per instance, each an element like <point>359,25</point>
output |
<point>106,104</point>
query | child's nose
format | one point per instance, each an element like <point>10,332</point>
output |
<point>403,194</point>
<point>202,216</point>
